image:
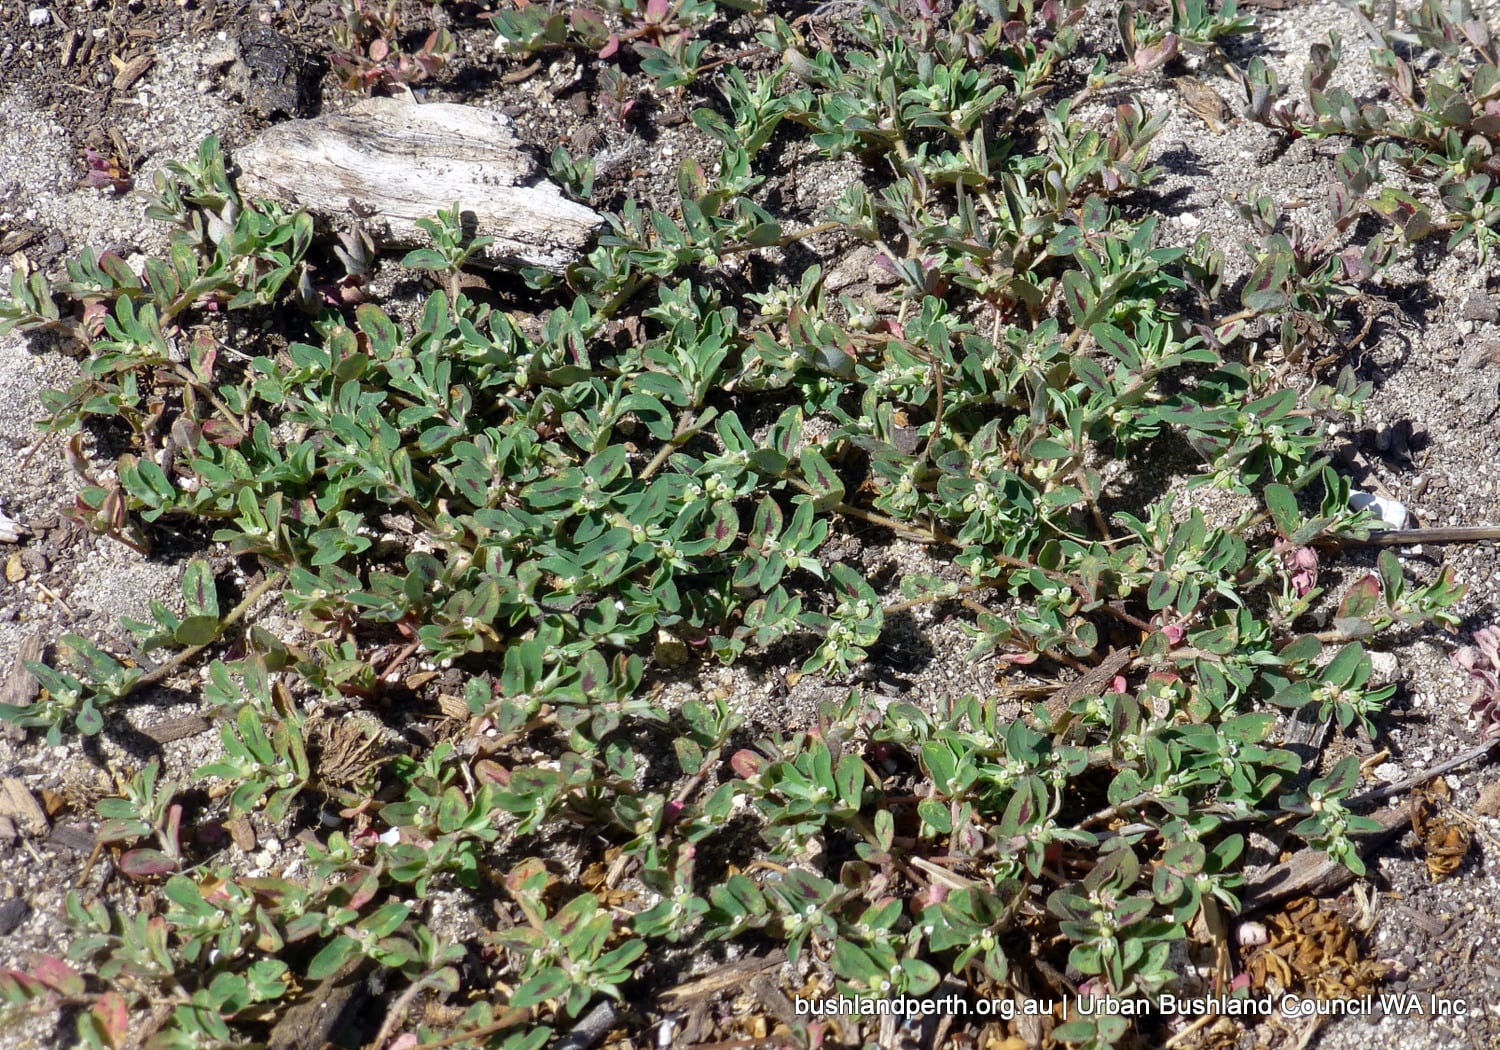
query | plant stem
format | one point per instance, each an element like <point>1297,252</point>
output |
<point>187,654</point>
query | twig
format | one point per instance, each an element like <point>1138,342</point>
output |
<point>1405,537</point>
<point>1417,779</point>
<point>685,425</point>
<point>54,596</point>
<point>1091,684</point>
<point>187,654</point>
<point>399,659</point>
<point>511,1017</point>
<point>394,1015</point>
<point>593,1026</point>
<point>1191,1029</point>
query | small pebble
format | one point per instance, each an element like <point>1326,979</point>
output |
<point>1391,512</point>
<point>1479,308</point>
<point>38,17</point>
<point>1389,772</point>
<point>12,913</point>
<point>1479,354</point>
<point>1384,669</point>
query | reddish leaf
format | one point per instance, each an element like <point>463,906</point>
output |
<point>1362,599</point>
<point>17,987</point>
<point>364,892</point>
<point>111,1018</point>
<point>610,46</point>
<point>56,974</point>
<point>146,864</point>
<point>492,772</point>
<point>221,432</point>
<point>746,763</point>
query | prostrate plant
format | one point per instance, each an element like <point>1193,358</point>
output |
<point>567,506</point>
<point>367,51</point>
<point>1446,111</point>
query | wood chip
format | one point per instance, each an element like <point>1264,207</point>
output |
<point>730,975</point>
<point>69,48</point>
<point>20,686</point>
<point>76,838</point>
<point>177,728</point>
<point>1090,684</point>
<point>421,678</point>
<point>241,831</point>
<point>328,1013</point>
<point>22,807</point>
<point>1431,925</point>
<point>1488,804</point>
<point>15,240</point>
<point>402,162</point>
<point>128,72</point>
<point>1205,102</point>
<point>453,707</point>
<point>12,913</point>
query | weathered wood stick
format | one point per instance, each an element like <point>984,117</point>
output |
<point>392,162</point>
<point>1410,537</point>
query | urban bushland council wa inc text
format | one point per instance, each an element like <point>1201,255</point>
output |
<point>1394,1004</point>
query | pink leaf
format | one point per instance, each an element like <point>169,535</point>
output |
<point>56,974</point>
<point>146,863</point>
<point>746,763</point>
<point>610,46</point>
<point>112,1018</point>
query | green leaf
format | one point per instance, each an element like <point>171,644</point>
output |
<point>384,920</point>
<point>1047,448</point>
<point>551,983</point>
<point>1346,664</point>
<point>333,956</point>
<point>196,630</point>
<point>1160,591</point>
<point>1080,297</point>
<point>1283,506</point>
<point>425,259</point>
<point>827,488</point>
<point>385,337</point>
<point>1264,292</point>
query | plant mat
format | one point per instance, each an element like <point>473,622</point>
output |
<point>561,761</point>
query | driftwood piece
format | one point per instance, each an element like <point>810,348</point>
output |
<point>1310,873</point>
<point>1089,684</point>
<point>20,687</point>
<point>392,162</point>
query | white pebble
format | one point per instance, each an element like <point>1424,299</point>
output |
<point>1389,772</point>
<point>1391,512</point>
<point>38,17</point>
